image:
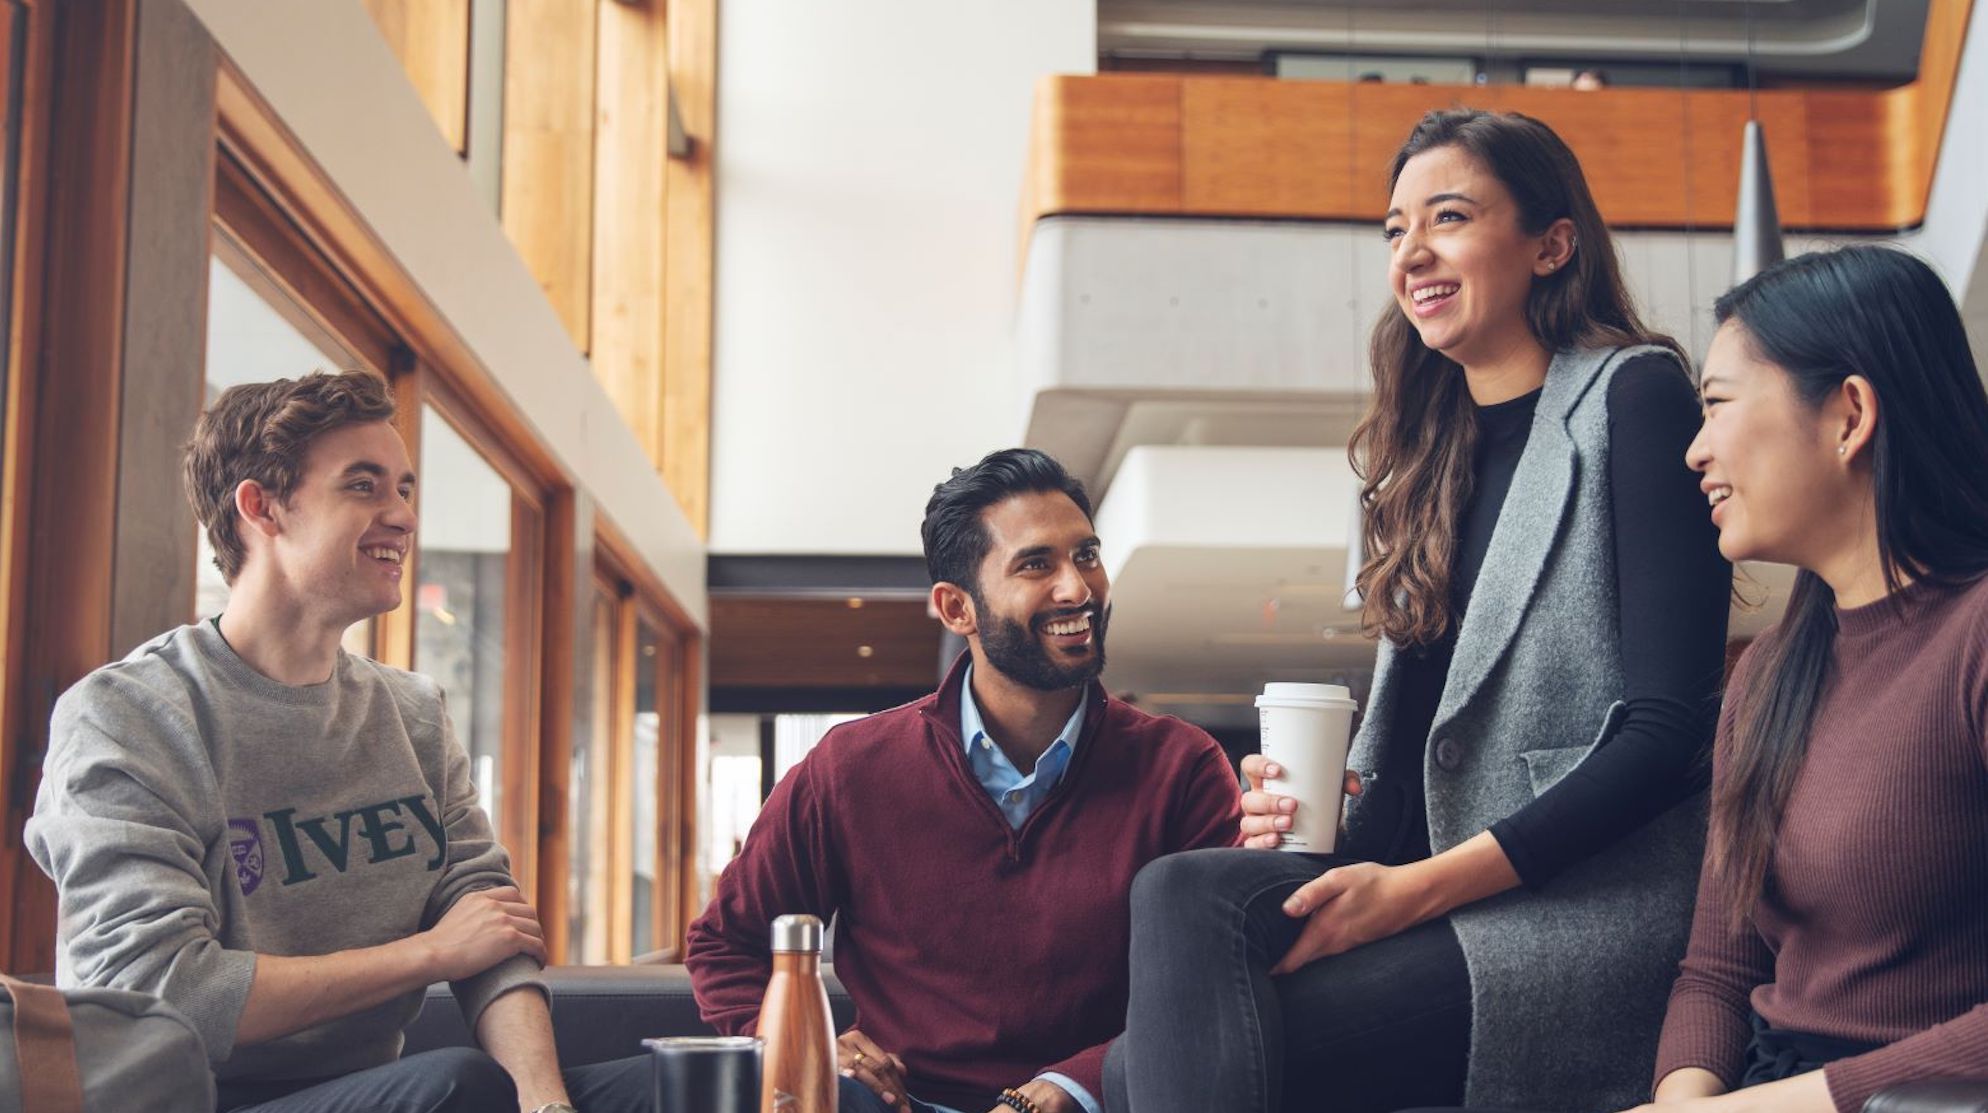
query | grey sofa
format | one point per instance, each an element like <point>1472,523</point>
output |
<point>600,1012</point>
<point>605,1012</point>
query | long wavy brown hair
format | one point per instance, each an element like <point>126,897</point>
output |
<point>1412,450</point>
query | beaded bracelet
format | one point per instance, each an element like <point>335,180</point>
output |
<point>1019,1102</point>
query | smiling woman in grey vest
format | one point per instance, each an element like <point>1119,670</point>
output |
<point>1514,886</point>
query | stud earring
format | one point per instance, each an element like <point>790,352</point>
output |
<point>1840,449</point>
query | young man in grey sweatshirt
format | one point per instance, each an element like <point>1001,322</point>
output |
<point>282,839</point>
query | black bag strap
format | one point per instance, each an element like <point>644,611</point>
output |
<point>44,1036</point>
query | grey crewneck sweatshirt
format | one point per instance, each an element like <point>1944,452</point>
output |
<point>194,813</point>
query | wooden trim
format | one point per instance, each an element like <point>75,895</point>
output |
<point>524,654</point>
<point>273,158</point>
<point>25,943</point>
<point>665,919</point>
<point>1843,160</point>
<point>690,214</point>
<point>548,176</point>
<point>631,133</point>
<point>431,39</point>
<point>556,735</point>
<point>293,276</point>
<point>621,818</point>
<point>393,632</point>
<point>619,555</point>
<point>496,439</point>
<point>690,690</point>
<point>1927,101</point>
<point>679,692</point>
<point>78,372</point>
<point>605,601</point>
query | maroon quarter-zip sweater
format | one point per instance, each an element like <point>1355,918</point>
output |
<point>1874,923</point>
<point>981,954</point>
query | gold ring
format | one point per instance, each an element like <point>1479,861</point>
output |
<point>859,1059</point>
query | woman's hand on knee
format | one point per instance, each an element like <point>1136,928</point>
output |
<point>1266,815</point>
<point>1348,906</point>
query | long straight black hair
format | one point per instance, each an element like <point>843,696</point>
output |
<point>1884,315</point>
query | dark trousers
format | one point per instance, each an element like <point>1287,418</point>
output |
<point>1378,1028</point>
<point>858,1098</point>
<point>452,1080</point>
<point>1772,1054</point>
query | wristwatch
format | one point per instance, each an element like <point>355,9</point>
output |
<point>555,1107</point>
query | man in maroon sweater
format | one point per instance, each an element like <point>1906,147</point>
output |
<point>977,847</point>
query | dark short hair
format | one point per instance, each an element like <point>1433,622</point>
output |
<point>261,431</point>
<point>955,532</point>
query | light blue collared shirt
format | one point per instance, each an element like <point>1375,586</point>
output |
<point>1018,797</point>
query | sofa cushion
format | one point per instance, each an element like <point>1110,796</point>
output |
<point>599,1012</point>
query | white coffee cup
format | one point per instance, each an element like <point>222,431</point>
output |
<point>1306,728</point>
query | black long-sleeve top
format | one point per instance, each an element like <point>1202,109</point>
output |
<point>1672,590</point>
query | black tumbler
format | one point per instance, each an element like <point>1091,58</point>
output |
<point>705,1074</point>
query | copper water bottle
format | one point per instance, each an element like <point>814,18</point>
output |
<point>798,1072</point>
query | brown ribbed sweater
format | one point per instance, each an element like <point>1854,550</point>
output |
<point>1875,922</point>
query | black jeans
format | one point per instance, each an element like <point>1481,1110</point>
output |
<point>452,1080</point>
<point>1773,1054</point>
<point>854,1097</point>
<point>1378,1028</point>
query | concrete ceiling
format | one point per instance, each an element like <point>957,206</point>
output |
<point>1864,39</point>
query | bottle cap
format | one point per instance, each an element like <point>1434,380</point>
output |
<point>797,933</point>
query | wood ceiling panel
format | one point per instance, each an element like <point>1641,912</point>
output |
<point>761,642</point>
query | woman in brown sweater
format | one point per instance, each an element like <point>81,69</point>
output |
<point>1840,944</point>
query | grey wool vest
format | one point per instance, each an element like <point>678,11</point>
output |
<point>1568,983</point>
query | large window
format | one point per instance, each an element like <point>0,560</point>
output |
<point>256,331</point>
<point>459,594</point>
<point>589,806</point>
<point>628,875</point>
<point>476,611</point>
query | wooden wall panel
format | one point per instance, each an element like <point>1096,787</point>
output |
<point>631,133</point>
<point>431,37</point>
<point>689,236</point>
<point>548,183</point>
<point>1925,102</point>
<point>1842,159</point>
<point>1244,150</point>
<point>816,643</point>
<point>1107,144</point>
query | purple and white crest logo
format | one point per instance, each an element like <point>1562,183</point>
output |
<point>245,840</point>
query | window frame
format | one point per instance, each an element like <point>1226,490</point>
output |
<point>678,678</point>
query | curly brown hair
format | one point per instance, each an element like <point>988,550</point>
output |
<point>260,431</point>
<point>1412,450</point>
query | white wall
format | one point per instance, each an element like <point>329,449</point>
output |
<point>870,163</point>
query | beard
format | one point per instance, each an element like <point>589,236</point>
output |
<point>1017,653</point>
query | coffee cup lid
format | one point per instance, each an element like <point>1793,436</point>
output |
<point>1283,694</point>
